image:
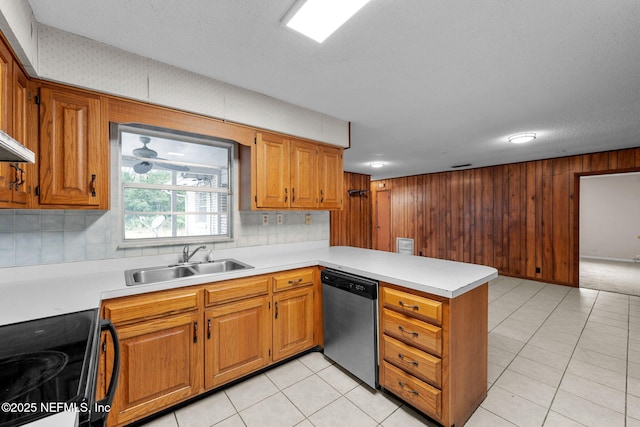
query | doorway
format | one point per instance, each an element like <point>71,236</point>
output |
<point>610,233</point>
<point>383,221</point>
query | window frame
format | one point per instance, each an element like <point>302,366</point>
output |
<point>115,130</point>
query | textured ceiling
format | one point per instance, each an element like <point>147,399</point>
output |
<point>425,84</point>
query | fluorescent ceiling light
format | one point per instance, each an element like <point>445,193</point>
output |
<point>522,138</point>
<point>318,19</point>
<point>376,164</point>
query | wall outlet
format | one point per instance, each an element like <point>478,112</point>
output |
<point>307,219</point>
<point>265,219</point>
<point>280,219</point>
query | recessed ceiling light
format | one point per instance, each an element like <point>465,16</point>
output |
<point>522,138</point>
<point>376,164</point>
<point>318,19</point>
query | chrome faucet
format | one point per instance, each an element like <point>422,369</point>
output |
<point>185,252</point>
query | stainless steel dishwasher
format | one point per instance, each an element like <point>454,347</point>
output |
<point>351,323</point>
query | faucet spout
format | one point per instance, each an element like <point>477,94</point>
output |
<point>186,256</point>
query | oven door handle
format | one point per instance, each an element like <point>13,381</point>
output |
<point>99,417</point>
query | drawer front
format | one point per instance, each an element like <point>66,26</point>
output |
<point>237,289</point>
<point>156,304</point>
<point>412,305</point>
<point>418,363</point>
<point>413,391</point>
<point>293,279</point>
<point>422,335</point>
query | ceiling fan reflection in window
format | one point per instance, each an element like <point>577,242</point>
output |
<point>149,157</point>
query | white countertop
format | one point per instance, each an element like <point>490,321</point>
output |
<point>48,290</point>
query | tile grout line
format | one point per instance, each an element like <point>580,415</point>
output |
<point>525,344</point>
<point>555,393</point>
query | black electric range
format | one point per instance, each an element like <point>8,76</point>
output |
<point>49,365</point>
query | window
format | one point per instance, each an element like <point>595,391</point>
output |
<point>175,186</point>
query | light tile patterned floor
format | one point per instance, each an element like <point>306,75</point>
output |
<point>558,356</point>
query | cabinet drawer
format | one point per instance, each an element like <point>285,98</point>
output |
<point>415,392</point>
<point>293,279</point>
<point>155,304</point>
<point>412,305</point>
<point>418,363</point>
<point>232,290</point>
<point>424,336</point>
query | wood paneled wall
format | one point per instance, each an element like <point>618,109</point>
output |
<point>351,226</point>
<point>520,218</point>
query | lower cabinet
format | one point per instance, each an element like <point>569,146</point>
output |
<point>292,322</point>
<point>160,366</point>
<point>237,340</point>
<point>433,351</point>
<point>178,343</point>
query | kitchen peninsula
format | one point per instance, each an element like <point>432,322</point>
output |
<point>442,305</point>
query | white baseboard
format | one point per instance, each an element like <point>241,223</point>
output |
<point>597,258</point>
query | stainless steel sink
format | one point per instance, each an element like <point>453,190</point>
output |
<point>141,276</point>
<point>220,266</point>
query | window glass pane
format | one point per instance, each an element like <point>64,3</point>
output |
<point>174,185</point>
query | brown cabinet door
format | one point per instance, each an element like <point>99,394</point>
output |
<point>292,322</point>
<point>330,173</point>
<point>304,175</point>
<point>237,339</point>
<point>20,131</point>
<point>7,174</point>
<point>73,158</point>
<point>272,171</point>
<point>161,364</point>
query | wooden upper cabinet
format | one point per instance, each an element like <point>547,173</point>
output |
<point>74,159</point>
<point>14,108</point>
<point>22,132</point>
<point>330,173</point>
<point>272,171</point>
<point>6,170</point>
<point>294,174</point>
<point>304,172</point>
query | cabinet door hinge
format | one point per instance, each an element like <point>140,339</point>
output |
<point>269,305</point>
<point>104,346</point>
<point>255,198</point>
<point>269,352</point>
<point>255,140</point>
<point>38,190</point>
<point>36,99</point>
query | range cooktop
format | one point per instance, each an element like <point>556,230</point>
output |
<point>45,364</point>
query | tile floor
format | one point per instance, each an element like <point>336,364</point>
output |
<point>558,356</point>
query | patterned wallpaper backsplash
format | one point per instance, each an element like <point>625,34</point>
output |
<point>30,237</point>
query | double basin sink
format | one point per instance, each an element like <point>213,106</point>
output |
<point>141,276</point>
